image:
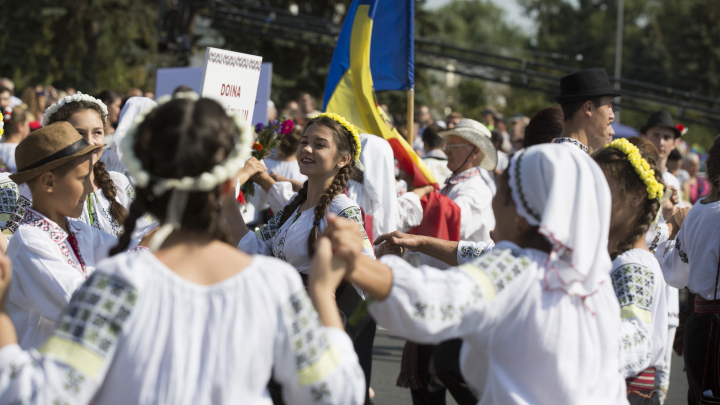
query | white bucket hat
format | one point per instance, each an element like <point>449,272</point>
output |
<point>478,135</point>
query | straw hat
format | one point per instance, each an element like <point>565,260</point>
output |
<point>478,135</point>
<point>48,148</point>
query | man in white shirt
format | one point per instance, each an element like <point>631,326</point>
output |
<point>586,98</point>
<point>469,149</point>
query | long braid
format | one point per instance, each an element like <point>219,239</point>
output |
<point>645,217</point>
<point>336,187</point>
<point>300,198</point>
<point>102,177</point>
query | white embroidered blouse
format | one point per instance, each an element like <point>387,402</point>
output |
<point>519,338</point>
<point>692,260</point>
<point>137,333</point>
<point>49,264</point>
<point>640,289</point>
<point>469,191</point>
<point>96,211</point>
<point>288,241</point>
<point>12,205</point>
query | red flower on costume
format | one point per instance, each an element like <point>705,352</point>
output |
<point>257,147</point>
<point>287,127</point>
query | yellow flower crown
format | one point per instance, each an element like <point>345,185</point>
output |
<point>350,127</point>
<point>642,168</point>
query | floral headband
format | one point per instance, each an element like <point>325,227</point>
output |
<point>642,168</point>
<point>350,127</point>
<point>181,187</point>
<point>69,99</point>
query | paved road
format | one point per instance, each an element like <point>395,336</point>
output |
<point>386,366</point>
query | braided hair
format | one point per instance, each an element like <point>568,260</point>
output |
<point>345,146</point>
<point>178,139</point>
<point>615,163</point>
<point>102,177</point>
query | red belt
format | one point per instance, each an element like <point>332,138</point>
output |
<point>645,381</point>
<point>703,306</point>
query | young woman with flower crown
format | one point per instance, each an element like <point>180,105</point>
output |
<point>328,152</point>
<point>107,206</point>
<point>195,321</point>
<point>636,276</point>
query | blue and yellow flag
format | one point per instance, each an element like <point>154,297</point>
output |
<point>375,47</point>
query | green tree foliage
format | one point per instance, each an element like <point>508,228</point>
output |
<point>673,43</point>
<point>89,45</point>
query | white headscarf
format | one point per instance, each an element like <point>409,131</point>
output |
<point>566,195</point>
<point>133,107</point>
<point>377,195</point>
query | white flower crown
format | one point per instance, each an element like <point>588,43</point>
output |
<point>69,99</point>
<point>205,182</point>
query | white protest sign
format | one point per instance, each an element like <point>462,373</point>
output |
<point>231,78</point>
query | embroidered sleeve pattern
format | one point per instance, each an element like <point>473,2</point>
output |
<point>410,213</point>
<point>271,229</point>
<point>130,192</point>
<point>634,286</point>
<point>70,366</point>
<point>315,364</point>
<point>354,214</point>
<point>683,255</point>
<point>429,306</point>
<point>9,194</point>
<point>496,269</point>
<point>16,216</point>
<point>468,251</point>
<point>91,324</point>
<point>314,356</point>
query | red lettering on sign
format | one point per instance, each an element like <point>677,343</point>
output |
<point>230,90</point>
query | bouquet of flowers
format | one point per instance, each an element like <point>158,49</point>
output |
<point>268,138</point>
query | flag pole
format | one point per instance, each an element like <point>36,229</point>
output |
<point>410,115</point>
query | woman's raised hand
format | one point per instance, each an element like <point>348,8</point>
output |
<point>252,167</point>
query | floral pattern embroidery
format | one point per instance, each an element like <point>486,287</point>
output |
<point>636,339</point>
<point>653,245</point>
<point>683,255</point>
<point>470,251</point>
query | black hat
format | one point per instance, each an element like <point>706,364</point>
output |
<point>661,119</point>
<point>585,85</point>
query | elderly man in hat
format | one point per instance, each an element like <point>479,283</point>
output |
<point>469,149</point>
<point>586,98</point>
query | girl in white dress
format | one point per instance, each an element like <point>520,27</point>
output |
<point>328,153</point>
<point>636,189</point>
<point>106,207</point>
<point>538,315</point>
<point>197,321</point>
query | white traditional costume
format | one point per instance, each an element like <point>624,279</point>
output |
<point>288,242</point>
<point>7,155</point>
<point>537,328</point>
<point>49,265</point>
<point>136,332</point>
<point>640,289</point>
